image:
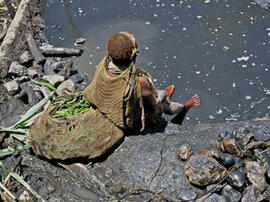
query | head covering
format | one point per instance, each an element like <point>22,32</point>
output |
<point>122,47</point>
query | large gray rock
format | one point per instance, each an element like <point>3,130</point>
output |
<point>12,87</point>
<point>53,79</point>
<point>141,162</point>
<point>66,86</point>
<point>231,193</point>
<point>26,58</point>
<point>17,69</point>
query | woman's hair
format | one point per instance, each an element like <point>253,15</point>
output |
<point>121,48</point>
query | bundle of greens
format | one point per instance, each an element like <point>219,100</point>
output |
<point>70,106</point>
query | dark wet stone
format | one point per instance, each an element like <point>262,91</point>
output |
<point>238,162</point>
<point>27,90</point>
<point>203,170</point>
<point>263,3</point>
<point>79,41</point>
<point>17,69</point>
<point>11,111</point>
<point>26,58</point>
<point>184,151</point>
<point>216,198</point>
<point>214,188</point>
<point>186,195</point>
<point>232,194</point>
<point>237,178</point>
<point>226,135</point>
<point>251,194</point>
<point>49,67</point>
<point>256,174</point>
<point>228,160</point>
<point>76,78</point>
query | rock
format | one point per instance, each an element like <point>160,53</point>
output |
<point>79,41</point>
<point>216,198</point>
<point>266,193</point>
<point>236,178</point>
<point>26,89</point>
<point>216,154</point>
<point>231,146</point>
<point>251,194</point>
<point>26,58</point>
<point>17,69</point>
<point>228,160</point>
<point>67,85</point>
<point>21,79</point>
<point>226,135</point>
<point>214,188</point>
<point>242,142</point>
<point>231,193</point>
<point>53,79</point>
<point>256,174</point>
<point>186,195</point>
<point>51,66</point>
<point>11,111</point>
<point>263,3</point>
<point>12,87</point>
<point>184,151</point>
<point>203,170</point>
<point>76,78</point>
<point>25,197</point>
<point>32,72</point>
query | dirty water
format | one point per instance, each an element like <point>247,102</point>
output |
<point>217,49</point>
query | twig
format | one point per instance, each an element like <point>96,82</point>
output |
<point>160,162</point>
<point>10,8</point>
<point>260,119</point>
<point>7,191</point>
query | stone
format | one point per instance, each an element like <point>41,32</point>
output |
<point>17,69</point>
<point>12,87</point>
<point>184,151</point>
<point>53,79</point>
<point>228,160</point>
<point>242,142</point>
<point>263,3</point>
<point>266,193</point>
<point>216,154</point>
<point>79,41</point>
<point>202,170</point>
<point>216,198</point>
<point>231,146</point>
<point>51,66</point>
<point>21,79</point>
<point>76,78</point>
<point>225,135</point>
<point>237,178</point>
<point>256,174</point>
<point>26,58</point>
<point>251,194</point>
<point>187,195</point>
<point>25,197</point>
<point>214,188</point>
<point>231,193</point>
<point>32,73</point>
<point>27,90</point>
<point>66,86</point>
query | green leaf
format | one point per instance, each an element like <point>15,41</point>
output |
<point>23,121</point>
<point>46,84</point>
<point>8,151</point>
<point>27,186</point>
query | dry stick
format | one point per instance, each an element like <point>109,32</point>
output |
<point>39,58</point>
<point>60,52</point>
<point>160,162</point>
<point>5,29</point>
<point>10,8</point>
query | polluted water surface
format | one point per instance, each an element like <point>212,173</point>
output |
<point>217,49</point>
